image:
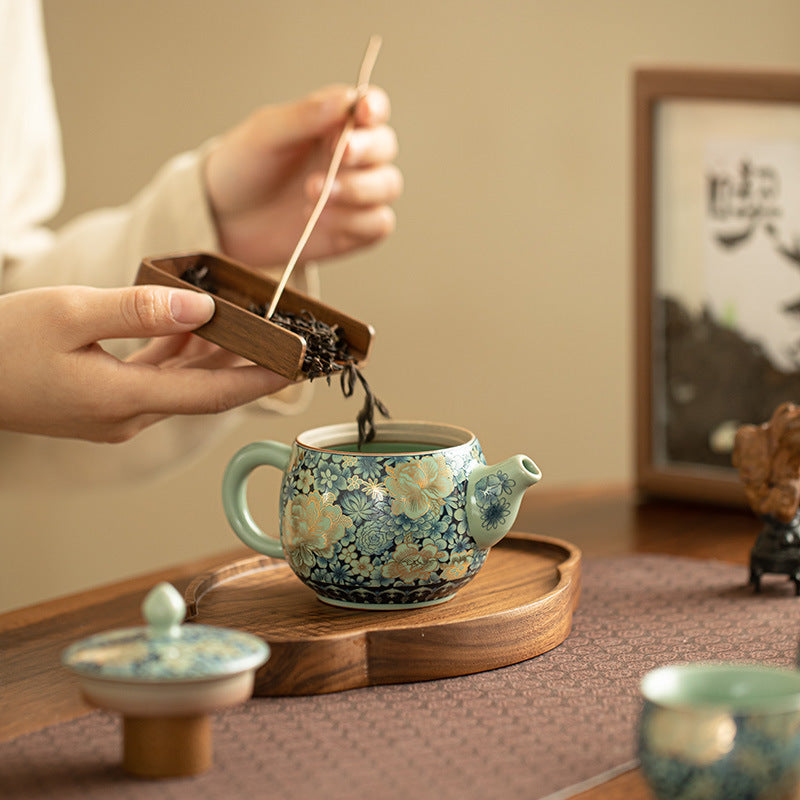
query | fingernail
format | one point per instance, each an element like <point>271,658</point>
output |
<point>191,308</point>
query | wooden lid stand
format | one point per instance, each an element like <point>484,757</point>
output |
<point>166,747</point>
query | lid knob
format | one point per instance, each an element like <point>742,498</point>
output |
<point>164,610</point>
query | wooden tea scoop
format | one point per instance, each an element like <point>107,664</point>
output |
<point>236,328</point>
<point>364,73</point>
<point>165,679</point>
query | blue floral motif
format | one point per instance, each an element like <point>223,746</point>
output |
<point>440,527</point>
<point>305,480</point>
<point>462,545</point>
<point>460,523</point>
<point>356,505</point>
<point>338,572</point>
<point>369,469</point>
<point>494,513</point>
<point>456,499</point>
<point>489,490</point>
<point>329,478</point>
<point>373,538</point>
<point>403,524</point>
<point>309,459</point>
<point>493,486</point>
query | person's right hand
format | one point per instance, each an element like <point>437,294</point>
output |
<point>56,379</point>
<point>264,176</point>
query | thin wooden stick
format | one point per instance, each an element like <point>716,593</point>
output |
<point>364,73</point>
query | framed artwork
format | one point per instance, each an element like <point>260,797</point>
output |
<point>717,259</point>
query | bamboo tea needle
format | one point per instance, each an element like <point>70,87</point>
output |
<point>365,71</point>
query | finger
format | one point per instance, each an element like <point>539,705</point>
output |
<point>374,108</point>
<point>89,315</point>
<point>215,358</point>
<point>307,118</point>
<point>342,230</point>
<point>183,348</point>
<point>369,146</point>
<point>186,350</point>
<point>150,390</point>
<point>117,432</point>
<point>161,349</point>
<point>360,187</point>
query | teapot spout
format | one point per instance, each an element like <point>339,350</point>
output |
<point>493,497</point>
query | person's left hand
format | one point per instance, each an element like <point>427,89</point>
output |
<point>57,380</point>
<point>265,175</point>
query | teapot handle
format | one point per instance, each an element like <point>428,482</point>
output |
<point>234,492</point>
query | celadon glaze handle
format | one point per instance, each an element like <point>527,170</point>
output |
<point>234,492</point>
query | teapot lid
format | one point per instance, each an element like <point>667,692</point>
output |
<point>165,650</point>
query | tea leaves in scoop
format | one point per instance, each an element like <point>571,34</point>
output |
<point>327,352</point>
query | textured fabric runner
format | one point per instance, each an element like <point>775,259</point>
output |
<point>525,731</point>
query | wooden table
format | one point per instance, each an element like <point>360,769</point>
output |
<point>35,691</point>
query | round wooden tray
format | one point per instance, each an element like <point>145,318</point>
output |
<point>518,606</point>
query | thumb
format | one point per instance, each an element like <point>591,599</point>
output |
<point>307,118</point>
<point>137,312</point>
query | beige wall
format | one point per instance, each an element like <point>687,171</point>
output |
<point>503,302</point>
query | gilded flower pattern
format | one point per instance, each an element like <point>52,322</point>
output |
<point>411,562</point>
<point>458,566</point>
<point>373,488</point>
<point>312,524</point>
<point>416,487</point>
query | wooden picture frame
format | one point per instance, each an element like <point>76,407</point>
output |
<point>717,270</point>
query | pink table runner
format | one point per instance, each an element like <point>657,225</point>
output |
<point>525,731</point>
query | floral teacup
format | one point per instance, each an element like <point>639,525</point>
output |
<point>403,522</point>
<point>721,731</point>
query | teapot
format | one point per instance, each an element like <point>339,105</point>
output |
<point>402,521</point>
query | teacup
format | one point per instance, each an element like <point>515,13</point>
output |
<point>403,522</point>
<point>721,731</point>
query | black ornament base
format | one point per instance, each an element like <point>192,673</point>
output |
<point>776,551</point>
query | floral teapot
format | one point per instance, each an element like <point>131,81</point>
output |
<point>404,521</point>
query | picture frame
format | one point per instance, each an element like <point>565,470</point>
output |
<point>717,270</point>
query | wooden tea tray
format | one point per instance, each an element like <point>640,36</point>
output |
<point>518,606</point>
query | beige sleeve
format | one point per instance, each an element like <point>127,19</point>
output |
<point>104,248</point>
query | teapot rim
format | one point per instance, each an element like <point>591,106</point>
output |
<point>441,436</point>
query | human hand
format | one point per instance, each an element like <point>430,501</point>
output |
<point>56,379</point>
<point>265,175</point>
